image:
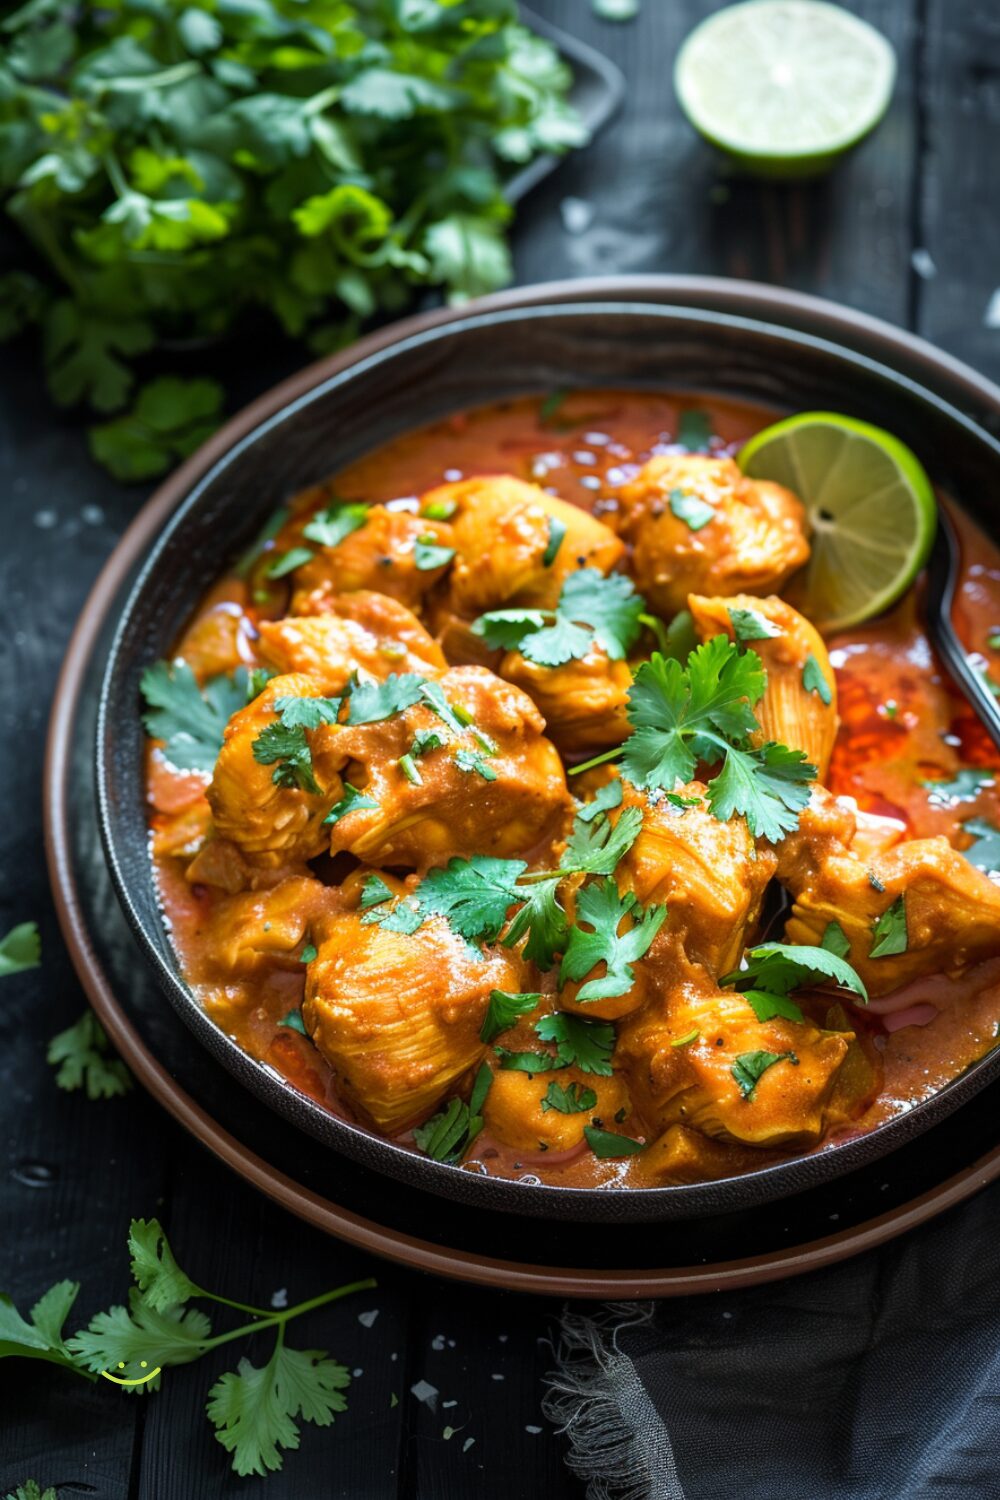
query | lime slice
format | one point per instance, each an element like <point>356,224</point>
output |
<point>871,507</point>
<point>784,87</point>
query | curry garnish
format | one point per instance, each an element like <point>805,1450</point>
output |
<point>889,932</point>
<point>693,511</point>
<point>504,1011</point>
<point>572,1100</point>
<point>353,800</point>
<point>750,1067</point>
<point>964,786</point>
<point>603,909</point>
<point>190,720</point>
<point>287,562</point>
<point>329,527</point>
<point>814,680</point>
<point>695,431</point>
<point>293,1020</point>
<point>704,712</point>
<point>579,1042</point>
<point>985,851</point>
<point>835,940</point>
<point>751,625</point>
<point>607,1143</point>
<point>428,554</point>
<point>593,609</point>
<point>447,1135</point>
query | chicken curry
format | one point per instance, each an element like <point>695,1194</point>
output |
<point>503,801</point>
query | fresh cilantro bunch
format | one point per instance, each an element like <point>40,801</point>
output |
<point>174,166</point>
<point>703,712</point>
<point>255,1410</point>
<point>593,609</point>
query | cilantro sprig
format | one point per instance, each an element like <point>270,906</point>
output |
<point>190,719</point>
<point>255,1411</point>
<point>592,609</point>
<point>771,971</point>
<point>80,1055</point>
<point>20,948</point>
<point>179,166</point>
<point>703,712</point>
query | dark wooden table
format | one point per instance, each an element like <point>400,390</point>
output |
<point>906,229</point>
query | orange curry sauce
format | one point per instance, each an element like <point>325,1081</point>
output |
<point>901,724</point>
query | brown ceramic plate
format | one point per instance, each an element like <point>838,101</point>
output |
<point>414,373</point>
<point>725,1249</point>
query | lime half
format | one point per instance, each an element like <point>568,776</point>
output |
<point>784,87</point>
<point>871,507</point>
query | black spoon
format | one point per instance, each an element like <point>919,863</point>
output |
<point>942,576</point>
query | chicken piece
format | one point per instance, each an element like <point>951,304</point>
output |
<point>682,1156</point>
<point>523,1110</point>
<point>255,930</point>
<point>800,716</point>
<point>752,542</point>
<point>355,632</point>
<point>272,825</point>
<point>516,544</point>
<point>696,1082</point>
<point>583,703</point>
<point>213,644</point>
<point>921,893</point>
<point>398,1015</point>
<point>382,555</point>
<point>709,874</point>
<point>496,787</point>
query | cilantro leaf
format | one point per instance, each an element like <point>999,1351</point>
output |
<point>572,1100</point>
<point>694,431</point>
<point>403,916</point>
<point>375,892</point>
<point>473,894</point>
<point>287,749</point>
<point>329,527</point>
<point>293,1020</point>
<point>154,1269</point>
<point>579,1042</point>
<point>751,625</point>
<point>608,1143</point>
<point>79,1055</point>
<point>889,931</point>
<point>127,1336</point>
<point>471,761</point>
<point>750,1067</point>
<point>253,1410</point>
<point>528,1062</point>
<point>604,799</point>
<point>30,1491</point>
<point>287,562</point>
<point>781,967</point>
<point>769,786</point>
<point>448,1134</point>
<point>371,702</point>
<point>596,845</point>
<point>170,419</point>
<point>693,511</point>
<point>20,948</point>
<point>190,719</point>
<point>557,530</point>
<point>504,1011</point>
<point>603,909</point>
<point>766,1006</point>
<point>964,786</point>
<point>433,695</point>
<point>428,554</point>
<point>835,940</point>
<point>592,608</point>
<point>984,852</point>
<point>307,713</point>
<point>814,680</point>
<point>351,801</point>
<point>41,1338</point>
<point>542,917</point>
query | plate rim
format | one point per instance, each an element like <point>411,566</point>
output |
<point>322,1212</point>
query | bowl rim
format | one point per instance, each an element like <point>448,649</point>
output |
<point>182,491</point>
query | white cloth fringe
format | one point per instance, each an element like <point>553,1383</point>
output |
<point>618,1443</point>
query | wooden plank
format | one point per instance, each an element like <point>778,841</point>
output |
<point>234,1242</point>
<point>74,1171</point>
<point>660,199</point>
<point>957,221</point>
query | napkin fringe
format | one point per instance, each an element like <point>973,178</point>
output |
<point>618,1443</point>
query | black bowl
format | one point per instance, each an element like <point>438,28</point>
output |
<point>393,383</point>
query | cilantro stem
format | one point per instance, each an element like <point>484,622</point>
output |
<point>659,629</point>
<point>597,760</point>
<point>279,1319</point>
<point>161,80</point>
<point>319,102</point>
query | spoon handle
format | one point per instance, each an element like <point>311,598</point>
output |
<point>942,575</point>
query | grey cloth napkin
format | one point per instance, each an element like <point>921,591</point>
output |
<point>878,1379</point>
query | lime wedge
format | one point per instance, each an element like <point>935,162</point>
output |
<point>784,87</point>
<point>871,507</point>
